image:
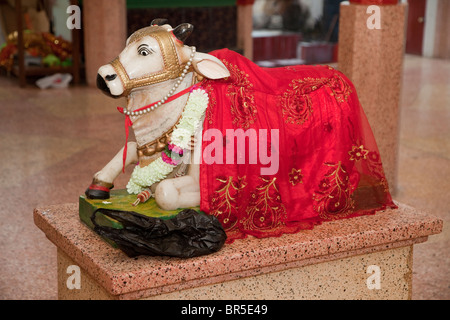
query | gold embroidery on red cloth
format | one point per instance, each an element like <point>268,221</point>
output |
<point>376,168</point>
<point>295,176</point>
<point>240,91</point>
<point>358,153</point>
<point>296,105</point>
<point>340,88</point>
<point>333,198</point>
<point>224,204</point>
<point>265,211</point>
<point>212,100</point>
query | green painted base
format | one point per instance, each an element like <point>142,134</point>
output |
<point>120,200</point>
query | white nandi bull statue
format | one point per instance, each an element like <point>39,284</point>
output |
<point>304,121</point>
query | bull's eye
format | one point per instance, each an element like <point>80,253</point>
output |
<point>144,52</point>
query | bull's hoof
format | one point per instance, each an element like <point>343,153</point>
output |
<point>99,190</point>
<point>96,194</point>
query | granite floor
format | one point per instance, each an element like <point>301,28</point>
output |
<point>53,141</point>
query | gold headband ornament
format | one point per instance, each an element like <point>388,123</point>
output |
<point>169,43</point>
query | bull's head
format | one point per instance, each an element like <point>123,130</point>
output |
<point>153,55</point>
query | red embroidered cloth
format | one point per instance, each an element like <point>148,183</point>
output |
<point>328,168</point>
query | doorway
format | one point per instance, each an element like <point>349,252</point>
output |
<point>416,26</point>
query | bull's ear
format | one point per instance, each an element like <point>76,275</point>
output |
<point>209,66</point>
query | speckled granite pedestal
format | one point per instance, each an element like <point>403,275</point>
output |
<point>333,261</point>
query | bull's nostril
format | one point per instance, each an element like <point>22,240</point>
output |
<point>101,84</point>
<point>110,77</point>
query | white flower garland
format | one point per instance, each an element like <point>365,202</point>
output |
<point>158,170</point>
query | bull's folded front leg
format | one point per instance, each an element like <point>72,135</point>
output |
<point>183,192</point>
<point>103,180</point>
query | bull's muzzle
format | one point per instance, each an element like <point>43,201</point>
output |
<point>101,84</point>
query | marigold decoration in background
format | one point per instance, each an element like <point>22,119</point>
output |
<point>37,44</point>
<point>7,56</point>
